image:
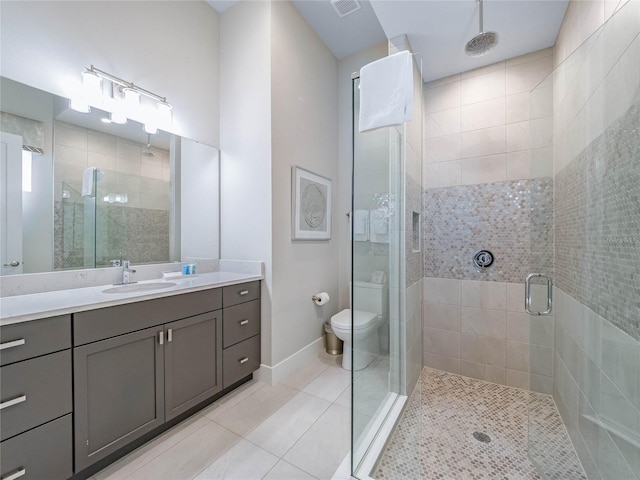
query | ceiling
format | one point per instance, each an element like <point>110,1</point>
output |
<point>437,29</point>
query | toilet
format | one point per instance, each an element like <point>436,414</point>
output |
<point>369,311</point>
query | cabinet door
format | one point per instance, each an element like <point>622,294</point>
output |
<point>193,361</point>
<point>118,393</point>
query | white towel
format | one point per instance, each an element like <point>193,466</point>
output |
<point>386,91</point>
<point>87,181</point>
<point>379,225</point>
<point>361,225</point>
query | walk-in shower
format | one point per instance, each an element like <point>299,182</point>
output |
<point>526,291</point>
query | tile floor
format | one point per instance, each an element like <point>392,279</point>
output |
<point>434,438</point>
<point>298,429</point>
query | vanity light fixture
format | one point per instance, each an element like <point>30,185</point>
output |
<point>124,101</point>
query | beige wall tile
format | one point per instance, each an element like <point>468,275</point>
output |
<point>441,362</point>
<point>480,321</point>
<point>519,136</point>
<point>442,316</point>
<point>518,107</point>
<point>442,290</point>
<point>534,163</point>
<point>442,97</point>
<point>482,87</point>
<point>442,342</point>
<point>526,76</point>
<point>489,113</point>
<point>489,169</point>
<point>444,122</point>
<point>444,174</point>
<point>442,149</point>
<point>487,350</point>
<point>491,295</point>
<point>487,141</point>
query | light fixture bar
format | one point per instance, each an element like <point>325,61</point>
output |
<point>124,83</point>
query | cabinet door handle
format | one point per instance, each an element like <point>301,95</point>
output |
<point>14,343</point>
<point>170,335</point>
<point>244,292</point>
<point>17,474</point>
<point>13,401</point>
<point>244,322</point>
<point>161,337</point>
<point>244,360</point>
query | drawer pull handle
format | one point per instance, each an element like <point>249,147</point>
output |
<point>17,474</point>
<point>13,401</point>
<point>14,343</point>
<point>244,360</point>
<point>170,335</point>
<point>244,322</point>
<point>161,337</point>
<point>244,292</point>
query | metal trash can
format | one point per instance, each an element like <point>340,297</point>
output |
<point>334,344</point>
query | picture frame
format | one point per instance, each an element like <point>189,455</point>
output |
<point>310,205</point>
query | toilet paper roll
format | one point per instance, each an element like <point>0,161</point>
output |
<point>321,298</point>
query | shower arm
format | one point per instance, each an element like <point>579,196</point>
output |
<point>480,22</point>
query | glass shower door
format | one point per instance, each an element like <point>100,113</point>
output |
<point>377,198</point>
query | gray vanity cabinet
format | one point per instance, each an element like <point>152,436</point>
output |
<point>35,400</point>
<point>118,393</point>
<point>193,362</point>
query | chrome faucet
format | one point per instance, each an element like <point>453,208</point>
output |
<point>126,273</point>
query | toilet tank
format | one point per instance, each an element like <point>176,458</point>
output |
<point>370,297</point>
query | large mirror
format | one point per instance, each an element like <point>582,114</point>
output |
<point>77,191</point>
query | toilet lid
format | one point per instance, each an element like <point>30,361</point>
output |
<point>360,319</point>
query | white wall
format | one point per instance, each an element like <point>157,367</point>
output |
<point>279,106</point>
<point>346,67</point>
<point>170,48</point>
<point>304,132</point>
<point>245,144</point>
<point>199,200</point>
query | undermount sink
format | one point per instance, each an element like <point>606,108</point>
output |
<point>139,287</point>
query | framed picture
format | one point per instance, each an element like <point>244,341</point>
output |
<point>311,205</point>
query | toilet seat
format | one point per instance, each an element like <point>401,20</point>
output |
<point>361,320</point>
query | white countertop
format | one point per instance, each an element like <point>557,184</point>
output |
<point>22,308</point>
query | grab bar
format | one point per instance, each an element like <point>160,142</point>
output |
<point>527,294</point>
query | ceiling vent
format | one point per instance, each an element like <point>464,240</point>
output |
<point>345,7</point>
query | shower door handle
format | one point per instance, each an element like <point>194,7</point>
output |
<point>527,293</point>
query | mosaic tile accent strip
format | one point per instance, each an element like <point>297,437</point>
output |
<point>513,220</point>
<point>140,234</point>
<point>434,438</point>
<point>598,225</point>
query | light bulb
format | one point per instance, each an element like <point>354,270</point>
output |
<point>91,87</point>
<point>131,101</point>
<point>164,115</point>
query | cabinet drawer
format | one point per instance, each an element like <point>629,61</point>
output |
<point>240,322</point>
<point>32,339</point>
<point>240,360</point>
<point>244,292</point>
<point>46,384</point>
<point>43,453</point>
<point>103,323</point>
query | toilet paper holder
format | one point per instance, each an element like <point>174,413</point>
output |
<point>320,298</point>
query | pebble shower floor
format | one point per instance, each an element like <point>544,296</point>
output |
<point>435,436</point>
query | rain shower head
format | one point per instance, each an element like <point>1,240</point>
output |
<point>483,42</point>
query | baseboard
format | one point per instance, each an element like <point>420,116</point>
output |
<point>281,370</point>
